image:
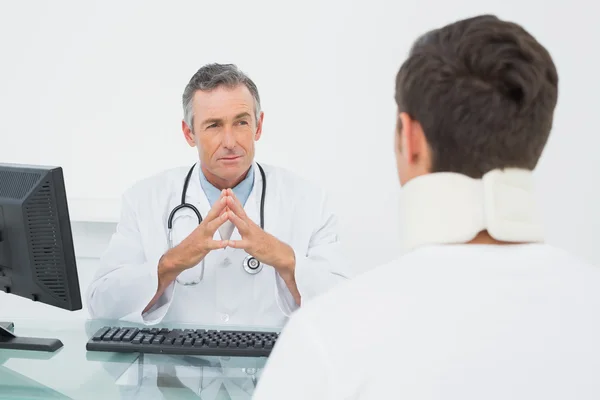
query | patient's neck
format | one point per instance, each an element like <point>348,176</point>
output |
<point>484,237</point>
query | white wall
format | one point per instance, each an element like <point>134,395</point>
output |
<point>95,87</point>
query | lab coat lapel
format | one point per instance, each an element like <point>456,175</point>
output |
<point>252,206</point>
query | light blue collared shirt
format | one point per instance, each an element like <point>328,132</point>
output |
<point>241,191</point>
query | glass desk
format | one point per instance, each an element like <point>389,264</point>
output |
<point>74,373</point>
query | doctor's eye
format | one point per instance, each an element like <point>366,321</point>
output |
<point>242,122</point>
<point>211,126</point>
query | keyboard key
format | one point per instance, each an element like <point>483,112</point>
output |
<point>109,335</point>
<point>130,334</point>
<point>100,333</point>
<point>120,335</point>
<point>158,339</point>
<point>138,338</point>
<point>147,339</point>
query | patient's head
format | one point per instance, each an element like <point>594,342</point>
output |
<point>473,96</point>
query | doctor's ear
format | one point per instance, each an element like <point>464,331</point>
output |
<point>188,133</point>
<point>259,125</point>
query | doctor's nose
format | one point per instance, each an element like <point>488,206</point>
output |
<point>228,138</point>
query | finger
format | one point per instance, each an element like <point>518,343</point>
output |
<point>217,244</point>
<point>231,194</point>
<point>234,204</point>
<point>217,208</point>
<point>238,244</point>
<point>239,223</point>
<point>212,226</point>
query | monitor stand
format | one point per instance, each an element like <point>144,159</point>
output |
<point>9,341</point>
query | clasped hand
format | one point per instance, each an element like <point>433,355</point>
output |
<point>254,240</point>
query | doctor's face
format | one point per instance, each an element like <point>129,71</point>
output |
<point>225,129</point>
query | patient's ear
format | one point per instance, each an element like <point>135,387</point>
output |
<point>398,135</point>
<point>409,137</point>
<point>413,154</point>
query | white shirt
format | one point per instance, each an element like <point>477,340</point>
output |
<point>296,212</point>
<point>464,322</point>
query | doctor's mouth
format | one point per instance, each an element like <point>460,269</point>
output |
<point>231,159</point>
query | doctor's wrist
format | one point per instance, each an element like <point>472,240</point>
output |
<point>170,265</point>
<point>167,272</point>
<point>286,261</point>
<point>178,259</point>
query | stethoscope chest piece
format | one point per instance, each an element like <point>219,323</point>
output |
<point>252,265</point>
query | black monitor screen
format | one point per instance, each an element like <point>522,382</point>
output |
<point>37,258</point>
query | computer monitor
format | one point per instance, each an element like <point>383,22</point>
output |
<point>37,258</point>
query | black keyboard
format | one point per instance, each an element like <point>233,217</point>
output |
<point>193,342</point>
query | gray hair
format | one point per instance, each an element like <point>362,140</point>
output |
<point>210,77</point>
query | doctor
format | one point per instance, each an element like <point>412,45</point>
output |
<point>225,240</point>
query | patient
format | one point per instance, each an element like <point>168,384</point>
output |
<point>478,306</point>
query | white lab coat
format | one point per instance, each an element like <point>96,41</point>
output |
<point>296,212</point>
<point>448,322</point>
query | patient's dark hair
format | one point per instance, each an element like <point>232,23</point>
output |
<point>484,91</point>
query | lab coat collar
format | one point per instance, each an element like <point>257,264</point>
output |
<point>444,208</point>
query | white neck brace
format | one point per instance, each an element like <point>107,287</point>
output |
<point>443,208</point>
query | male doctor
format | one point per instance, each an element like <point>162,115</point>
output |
<point>478,307</point>
<point>267,243</point>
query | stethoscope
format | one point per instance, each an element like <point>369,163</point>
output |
<point>250,264</point>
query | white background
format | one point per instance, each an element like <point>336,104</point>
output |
<point>95,87</point>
